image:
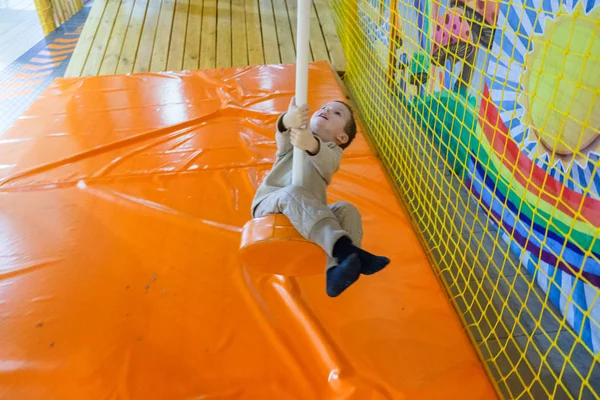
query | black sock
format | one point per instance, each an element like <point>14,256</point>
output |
<point>370,263</point>
<point>343,248</point>
<point>340,277</point>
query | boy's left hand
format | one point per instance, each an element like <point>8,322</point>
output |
<point>304,140</point>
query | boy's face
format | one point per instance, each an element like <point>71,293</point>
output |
<point>329,121</point>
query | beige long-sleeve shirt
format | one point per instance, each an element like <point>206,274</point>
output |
<point>318,168</point>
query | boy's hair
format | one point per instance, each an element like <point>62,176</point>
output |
<point>350,128</point>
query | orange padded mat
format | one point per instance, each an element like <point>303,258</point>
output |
<point>122,200</point>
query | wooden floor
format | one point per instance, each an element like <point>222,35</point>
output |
<point>20,29</point>
<point>124,36</point>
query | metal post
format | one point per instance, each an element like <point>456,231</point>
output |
<point>302,51</point>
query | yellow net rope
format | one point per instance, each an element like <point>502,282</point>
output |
<point>487,116</point>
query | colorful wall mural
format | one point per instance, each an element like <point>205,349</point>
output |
<point>510,92</point>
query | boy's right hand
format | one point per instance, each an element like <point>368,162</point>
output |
<point>297,116</point>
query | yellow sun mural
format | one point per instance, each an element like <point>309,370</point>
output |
<point>561,85</point>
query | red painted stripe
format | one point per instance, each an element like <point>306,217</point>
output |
<point>47,60</point>
<point>64,40</point>
<point>55,53</point>
<point>30,67</point>
<point>22,75</point>
<point>15,94</point>
<point>530,175</point>
<point>15,85</point>
<point>61,46</point>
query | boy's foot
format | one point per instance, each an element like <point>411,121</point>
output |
<point>370,263</point>
<point>340,277</point>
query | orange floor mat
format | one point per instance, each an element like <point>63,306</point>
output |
<point>122,200</point>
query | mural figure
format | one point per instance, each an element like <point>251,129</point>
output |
<point>460,31</point>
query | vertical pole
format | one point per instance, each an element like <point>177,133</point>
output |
<point>44,11</point>
<point>302,51</point>
<point>60,11</point>
<point>393,46</point>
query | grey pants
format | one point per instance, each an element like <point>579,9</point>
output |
<point>315,221</point>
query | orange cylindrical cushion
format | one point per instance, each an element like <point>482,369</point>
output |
<point>271,244</point>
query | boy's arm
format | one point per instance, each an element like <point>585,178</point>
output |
<point>282,137</point>
<point>327,159</point>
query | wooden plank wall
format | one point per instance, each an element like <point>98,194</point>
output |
<point>124,36</point>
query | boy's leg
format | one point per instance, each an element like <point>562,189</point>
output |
<point>312,219</point>
<point>318,223</point>
<point>350,220</point>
